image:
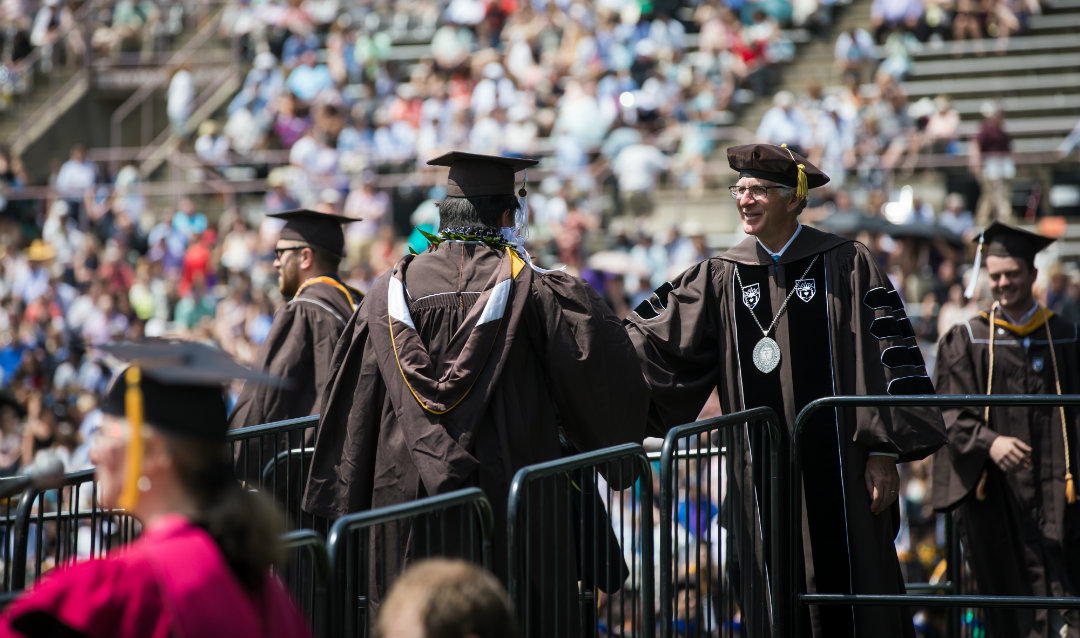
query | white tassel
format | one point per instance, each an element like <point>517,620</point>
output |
<point>970,292</point>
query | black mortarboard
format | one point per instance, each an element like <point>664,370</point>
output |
<point>473,175</point>
<point>181,385</point>
<point>778,164</point>
<point>315,228</point>
<point>1001,240</point>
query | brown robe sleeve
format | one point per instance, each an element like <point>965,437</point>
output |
<point>589,362</point>
<point>674,334</point>
<point>298,348</point>
<point>957,470</point>
<point>888,361</point>
<point>341,476</point>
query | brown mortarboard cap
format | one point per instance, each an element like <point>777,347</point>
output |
<point>774,163</point>
<point>473,175</point>
<point>181,384</point>
<point>1001,240</point>
<point>315,228</point>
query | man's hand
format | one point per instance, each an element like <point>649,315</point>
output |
<point>1010,453</point>
<point>882,482</point>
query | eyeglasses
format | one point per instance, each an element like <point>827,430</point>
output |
<point>278,252</point>
<point>756,192</point>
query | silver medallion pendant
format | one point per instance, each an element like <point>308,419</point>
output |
<point>766,355</point>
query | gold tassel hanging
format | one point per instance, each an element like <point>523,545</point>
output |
<point>801,187</point>
<point>1070,492</point>
<point>133,408</point>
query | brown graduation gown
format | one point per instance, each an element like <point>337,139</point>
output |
<point>844,332</point>
<point>1021,538</point>
<point>299,348</point>
<point>504,382</point>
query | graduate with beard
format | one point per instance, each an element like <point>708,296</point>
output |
<point>463,365</point>
<point>1008,470</point>
<point>787,316</point>
<point>304,331</point>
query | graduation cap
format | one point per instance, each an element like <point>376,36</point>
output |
<point>777,164</point>
<point>1001,240</point>
<point>176,386</point>
<point>473,175</point>
<point>315,228</point>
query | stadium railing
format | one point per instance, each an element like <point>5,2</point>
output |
<point>275,458</point>
<point>956,602</point>
<point>559,559</point>
<point>307,575</point>
<point>60,525</point>
<point>368,549</point>
<point>710,582</point>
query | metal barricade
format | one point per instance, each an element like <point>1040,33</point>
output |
<point>715,540</point>
<point>369,549</point>
<point>275,458</point>
<point>566,547</point>
<point>64,524</point>
<point>307,576</point>
<point>8,507</point>
<point>797,598</point>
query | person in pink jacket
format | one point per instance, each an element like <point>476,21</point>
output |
<point>202,564</point>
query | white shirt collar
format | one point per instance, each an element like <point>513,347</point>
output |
<point>1025,317</point>
<point>776,256</point>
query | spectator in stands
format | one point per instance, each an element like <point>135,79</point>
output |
<point>449,599</point>
<point>941,132</point>
<point>637,170</point>
<point>180,99</point>
<point>76,177</point>
<point>990,160</point>
<point>885,15</point>
<point>855,53</point>
<point>785,123</point>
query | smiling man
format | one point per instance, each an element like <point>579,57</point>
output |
<point>790,315</point>
<point>1007,468</point>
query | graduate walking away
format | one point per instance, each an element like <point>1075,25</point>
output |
<point>461,367</point>
<point>202,564</point>
<point>790,315</point>
<point>304,331</point>
<point>1010,471</point>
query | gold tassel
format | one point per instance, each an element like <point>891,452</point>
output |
<point>980,489</point>
<point>1070,494</point>
<point>801,188</point>
<point>133,408</point>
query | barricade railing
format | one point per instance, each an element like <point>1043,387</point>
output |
<point>711,557</point>
<point>60,525</point>
<point>369,549</point>
<point>275,458</point>
<point>307,575</point>
<point>797,598</point>
<point>564,549</point>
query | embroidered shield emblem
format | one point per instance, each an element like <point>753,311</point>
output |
<point>1037,364</point>
<point>751,295</point>
<point>805,289</point>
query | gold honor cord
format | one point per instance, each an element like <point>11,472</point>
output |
<point>1070,494</point>
<point>323,279</point>
<point>516,268</point>
<point>133,409</point>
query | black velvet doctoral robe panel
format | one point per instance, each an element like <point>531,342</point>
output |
<point>844,332</point>
<point>1021,537</point>
<point>299,348</point>
<point>435,387</point>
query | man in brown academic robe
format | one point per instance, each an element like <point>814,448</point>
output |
<point>835,326</point>
<point>1005,469</point>
<point>304,331</point>
<point>461,367</point>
